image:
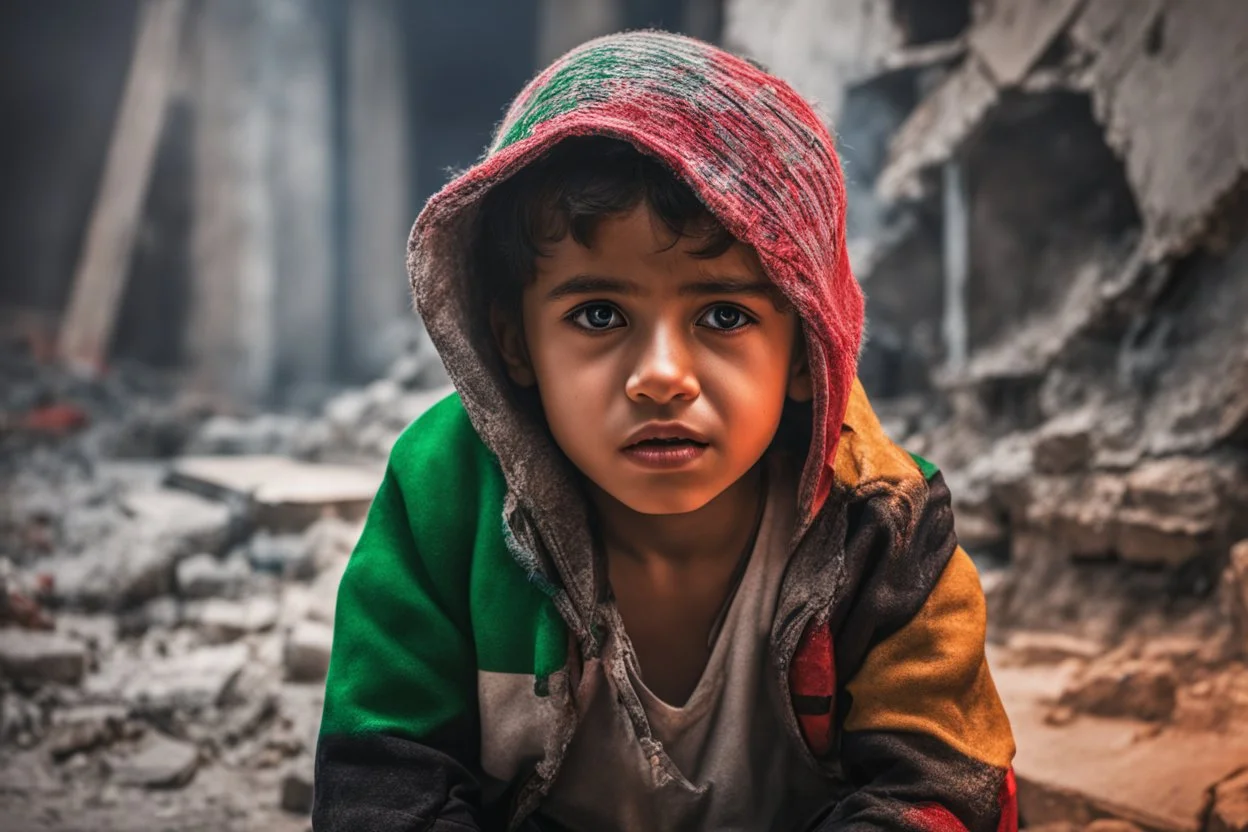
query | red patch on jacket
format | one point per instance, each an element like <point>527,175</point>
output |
<point>812,684</point>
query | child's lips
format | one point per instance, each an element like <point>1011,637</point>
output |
<point>652,453</point>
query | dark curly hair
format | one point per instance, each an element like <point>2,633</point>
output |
<point>571,189</point>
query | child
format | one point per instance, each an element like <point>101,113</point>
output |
<point>655,566</point>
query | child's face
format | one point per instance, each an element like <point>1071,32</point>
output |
<point>636,334</point>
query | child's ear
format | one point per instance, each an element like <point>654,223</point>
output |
<point>509,337</point>
<point>801,388</point>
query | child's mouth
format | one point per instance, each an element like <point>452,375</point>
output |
<point>665,453</point>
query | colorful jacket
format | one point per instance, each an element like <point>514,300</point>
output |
<point>472,596</point>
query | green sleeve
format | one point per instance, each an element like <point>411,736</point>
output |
<point>403,660</point>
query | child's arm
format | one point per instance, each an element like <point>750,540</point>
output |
<point>399,734</point>
<point>924,736</point>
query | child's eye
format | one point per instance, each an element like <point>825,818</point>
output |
<point>597,316</point>
<point>725,318</point>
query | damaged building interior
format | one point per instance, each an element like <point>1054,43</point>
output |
<point>207,349</point>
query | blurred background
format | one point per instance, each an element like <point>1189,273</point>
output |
<point>207,348</point>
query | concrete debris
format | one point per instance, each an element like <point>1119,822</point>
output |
<point>1186,151</point>
<point>1086,768</point>
<point>297,789</point>
<point>195,681</point>
<point>1013,34</point>
<point>207,576</point>
<point>222,621</point>
<point>323,598</point>
<point>265,434</point>
<point>190,523</point>
<point>86,728</point>
<point>1165,512</point>
<point>936,130</point>
<point>1064,444</point>
<point>158,762</point>
<point>307,651</point>
<point>171,599</point>
<point>1030,648</point>
<point>1228,809</point>
<point>330,542</point>
<point>288,555</point>
<point>36,657</point>
<point>286,494</point>
<point>1143,690</point>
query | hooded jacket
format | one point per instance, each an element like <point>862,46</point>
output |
<point>473,595</point>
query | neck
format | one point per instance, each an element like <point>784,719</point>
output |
<point>720,529</point>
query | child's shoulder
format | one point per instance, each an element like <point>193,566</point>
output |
<point>866,454</point>
<point>441,448</point>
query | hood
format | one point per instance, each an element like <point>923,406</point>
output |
<point>758,157</point>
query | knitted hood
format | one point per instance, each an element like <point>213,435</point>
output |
<point>757,156</point>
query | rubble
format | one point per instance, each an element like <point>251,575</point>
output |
<point>222,621</point>
<point>159,762</point>
<point>307,651</point>
<point>36,657</point>
<point>1095,440</point>
<point>284,495</point>
<point>1228,804</point>
<point>194,681</point>
<point>86,728</point>
<point>1031,648</point>
<point>297,789</point>
<point>1143,690</point>
<point>207,576</point>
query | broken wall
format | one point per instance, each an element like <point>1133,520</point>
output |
<point>1089,157</point>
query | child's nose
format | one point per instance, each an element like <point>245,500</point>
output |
<point>664,371</point>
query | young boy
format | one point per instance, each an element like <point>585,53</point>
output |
<point>655,566</point>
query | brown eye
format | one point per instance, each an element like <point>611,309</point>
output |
<point>597,316</point>
<point>725,318</point>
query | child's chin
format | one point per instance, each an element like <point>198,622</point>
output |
<point>655,501</point>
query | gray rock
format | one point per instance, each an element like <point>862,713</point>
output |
<point>1064,445</point>
<point>406,370</point>
<point>1139,690</point>
<point>135,560</point>
<point>162,613</point>
<point>297,789</point>
<point>193,681</point>
<point>1228,809</point>
<point>159,762</point>
<point>307,651</point>
<point>21,721</point>
<point>345,412</point>
<point>85,728</point>
<point>384,393</point>
<point>1030,648</point>
<point>189,522</point>
<point>329,542</point>
<point>268,433</point>
<point>39,657</point>
<point>221,621</point>
<point>283,554</point>
<point>206,576</point>
<point>324,598</point>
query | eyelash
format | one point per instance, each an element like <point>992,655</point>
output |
<point>573,317</point>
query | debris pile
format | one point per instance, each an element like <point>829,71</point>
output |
<point>168,579</point>
<point>1049,215</point>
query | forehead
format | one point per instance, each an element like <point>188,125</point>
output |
<point>638,245</point>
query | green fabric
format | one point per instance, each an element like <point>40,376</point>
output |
<point>431,594</point>
<point>928,469</point>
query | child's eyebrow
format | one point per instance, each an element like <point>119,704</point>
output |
<point>591,284</point>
